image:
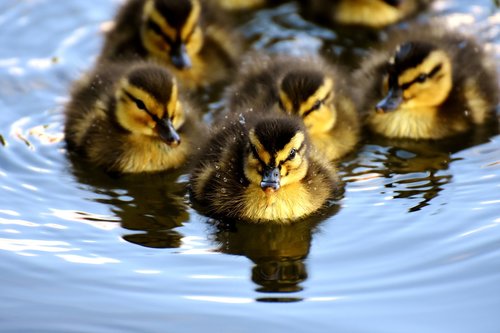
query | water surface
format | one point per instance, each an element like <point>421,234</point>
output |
<point>413,245</point>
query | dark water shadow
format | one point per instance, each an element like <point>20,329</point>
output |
<point>415,170</point>
<point>278,251</point>
<point>150,205</point>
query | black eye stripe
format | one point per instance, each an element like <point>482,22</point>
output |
<point>139,102</point>
<point>156,28</point>
<point>422,77</point>
<point>316,105</point>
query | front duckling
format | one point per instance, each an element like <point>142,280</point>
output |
<point>261,170</point>
<point>184,35</point>
<point>130,118</point>
<point>430,87</point>
<point>369,13</point>
<point>305,87</point>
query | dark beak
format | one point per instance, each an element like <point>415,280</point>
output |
<point>179,56</point>
<point>270,179</point>
<point>390,102</point>
<point>167,132</point>
<point>394,3</point>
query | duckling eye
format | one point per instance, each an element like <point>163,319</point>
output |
<point>316,106</point>
<point>421,78</point>
<point>292,154</point>
<point>140,104</point>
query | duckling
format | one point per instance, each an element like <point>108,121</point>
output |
<point>241,4</point>
<point>187,36</point>
<point>431,84</point>
<point>261,169</point>
<point>369,13</point>
<point>305,87</point>
<point>130,118</point>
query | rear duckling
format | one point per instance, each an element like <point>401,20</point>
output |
<point>129,119</point>
<point>430,86</point>
<point>304,87</point>
<point>261,170</point>
<point>369,13</point>
<point>184,35</point>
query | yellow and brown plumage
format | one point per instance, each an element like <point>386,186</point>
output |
<point>368,13</point>
<point>261,169</point>
<point>130,118</point>
<point>428,84</point>
<point>304,87</point>
<point>187,36</point>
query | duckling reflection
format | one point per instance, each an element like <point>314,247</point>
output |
<point>414,170</point>
<point>278,251</point>
<point>151,206</point>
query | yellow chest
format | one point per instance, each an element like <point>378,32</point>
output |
<point>366,12</point>
<point>152,155</point>
<point>412,124</point>
<point>288,203</point>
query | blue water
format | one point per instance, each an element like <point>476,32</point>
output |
<point>413,246</point>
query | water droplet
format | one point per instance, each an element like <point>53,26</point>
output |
<point>241,119</point>
<point>217,175</point>
<point>217,167</point>
<point>224,180</point>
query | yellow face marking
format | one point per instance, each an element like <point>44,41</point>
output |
<point>286,102</point>
<point>319,95</point>
<point>295,143</point>
<point>150,13</point>
<point>434,90</point>
<point>192,20</point>
<point>139,121</point>
<point>172,103</point>
<point>261,151</point>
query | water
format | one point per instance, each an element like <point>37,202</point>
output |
<point>413,246</point>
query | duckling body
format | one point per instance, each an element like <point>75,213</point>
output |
<point>428,84</point>
<point>129,118</point>
<point>369,13</point>
<point>186,36</point>
<point>261,170</point>
<point>304,87</point>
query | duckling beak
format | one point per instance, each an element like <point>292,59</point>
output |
<point>167,132</point>
<point>394,3</point>
<point>390,102</point>
<point>270,179</point>
<point>180,57</point>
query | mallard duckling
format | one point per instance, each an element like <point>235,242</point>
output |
<point>261,169</point>
<point>306,87</point>
<point>369,13</point>
<point>184,35</point>
<point>431,85</point>
<point>241,4</point>
<point>130,118</point>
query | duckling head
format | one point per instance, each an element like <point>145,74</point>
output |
<point>171,30</point>
<point>276,154</point>
<point>309,94</point>
<point>147,104</point>
<point>419,76</point>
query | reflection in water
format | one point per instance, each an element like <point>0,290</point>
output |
<point>152,204</point>
<point>277,251</point>
<point>416,170</point>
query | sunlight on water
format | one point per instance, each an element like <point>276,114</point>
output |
<point>412,245</point>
